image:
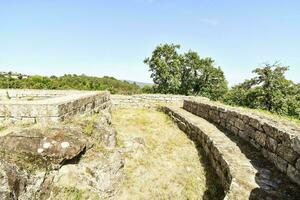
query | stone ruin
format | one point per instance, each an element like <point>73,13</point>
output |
<point>30,106</point>
<point>55,144</point>
<point>254,156</point>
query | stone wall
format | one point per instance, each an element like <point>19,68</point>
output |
<point>220,150</point>
<point>58,105</point>
<point>279,141</point>
<point>23,93</point>
<point>149,100</point>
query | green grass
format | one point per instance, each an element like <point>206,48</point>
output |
<point>88,130</point>
<point>167,166</point>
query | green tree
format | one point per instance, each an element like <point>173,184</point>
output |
<point>165,65</point>
<point>268,90</point>
<point>186,74</point>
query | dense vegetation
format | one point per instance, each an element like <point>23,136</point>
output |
<point>78,82</point>
<point>268,90</point>
<point>186,74</point>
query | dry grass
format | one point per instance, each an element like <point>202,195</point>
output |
<point>166,167</point>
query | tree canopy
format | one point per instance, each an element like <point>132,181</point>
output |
<point>268,90</point>
<point>68,81</point>
<point>186,74</point>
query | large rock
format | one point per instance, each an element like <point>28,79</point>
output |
<point>54,147</point>
<point>54,161</point>
<point>12,181</point>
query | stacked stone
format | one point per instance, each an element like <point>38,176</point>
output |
<point>63,105</point>
<point>278,142</point>
<point>147,100</point>
<point>23,93</point>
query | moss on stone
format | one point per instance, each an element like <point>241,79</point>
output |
<point>25,161</point>
<point>72,193</point>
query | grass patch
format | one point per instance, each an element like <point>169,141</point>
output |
<point>167,167</point>
<point>25,161</point>
<point>88,130</point>
<point>72,193</point>
<point>2,128</point>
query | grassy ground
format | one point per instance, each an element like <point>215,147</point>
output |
<point>160,161</point>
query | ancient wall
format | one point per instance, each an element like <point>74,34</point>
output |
<point>149,100</point>
<point>279,141</point>
<point>23,93</point>
<point>56,105</point>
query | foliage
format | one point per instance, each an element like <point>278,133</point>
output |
<point>147,89</point>
<point>68,81</point>
<point>268,90</point>
<point>186,74</point>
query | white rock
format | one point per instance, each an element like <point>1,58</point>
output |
<point>65,145</point>
<point>40,150</point>
<point>47,145</point>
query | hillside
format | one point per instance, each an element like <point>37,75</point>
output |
<point>67,81</point>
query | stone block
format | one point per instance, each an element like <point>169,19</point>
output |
<point>235,130</point>
<point>245,119</point>
<point>287,153</point>
<point>255,124</point>
<point>294,174</point>
<point>239,124</point>
<point>295,143</point>
<point>271,144</point>
<point>298,164</point>
<point>250,131</point>
<point>269,130</point>
<point>260,138</point>
<point>281,164</point>
<point>244,135</point>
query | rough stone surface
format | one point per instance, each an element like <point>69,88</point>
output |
<point>298,164</point>
<point>296,144</point>
<point>243,172</point>
<point>149,100</point>
<point>278,140</point>
<point>293,174</point>
<point>54,161</point>
<point>271,144</point>
<point>48,105</point>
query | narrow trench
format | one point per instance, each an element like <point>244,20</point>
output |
<point>160,160</point>
<point>273,184</point>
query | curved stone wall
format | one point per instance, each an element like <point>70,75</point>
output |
<point>220,150</point>
<point>279,141</point>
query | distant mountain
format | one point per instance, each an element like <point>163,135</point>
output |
<point>141,84</point>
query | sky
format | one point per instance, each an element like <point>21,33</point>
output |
<point>113,37</point>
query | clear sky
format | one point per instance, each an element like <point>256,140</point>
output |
<point>113,37</point>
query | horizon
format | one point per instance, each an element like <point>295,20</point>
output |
<point>99,38</point>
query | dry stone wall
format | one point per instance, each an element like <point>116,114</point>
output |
<point>278,141</point>
<point>23,93</point>
<point>149,100</point>
<point>58,106</point>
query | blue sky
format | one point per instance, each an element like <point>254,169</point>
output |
<point>113,37</point>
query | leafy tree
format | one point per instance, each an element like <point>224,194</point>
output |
<point>68,81</point>
<point>186,74</point>
<point>165,64</point>
<point>148,89</point>
<point>268,90</point>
